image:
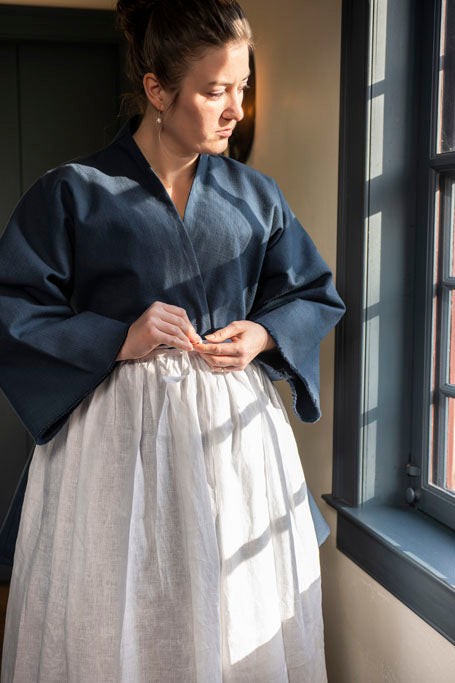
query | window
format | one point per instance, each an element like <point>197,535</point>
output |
<point>435,444</point>
<point>393,464</point>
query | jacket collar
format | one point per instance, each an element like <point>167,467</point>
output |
<point>128,128</point>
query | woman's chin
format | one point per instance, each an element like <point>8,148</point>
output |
<point>218,145</point>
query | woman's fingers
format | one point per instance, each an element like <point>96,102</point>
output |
<point>179,324</point>
<point>224,349</point>
<point>178,316</point>
<point>216,362</point>
<point>171,340</point>
<point>160,323</point>
<point>174,332</point>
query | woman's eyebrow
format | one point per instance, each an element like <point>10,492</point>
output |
<point>225,82</point>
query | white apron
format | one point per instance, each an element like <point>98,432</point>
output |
<point>166,536</point>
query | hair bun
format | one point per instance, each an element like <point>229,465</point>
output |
<point>132,15</point>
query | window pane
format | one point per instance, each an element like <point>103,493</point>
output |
<point>452,241</point>
<point>449,239</point>
<point>450,454</point>
<point>433,431</point>
<point>446,99</point>
<point>441,465</point>
<point>452,338</point>
<point>441,471</point>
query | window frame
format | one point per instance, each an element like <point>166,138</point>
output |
<point>433,174</point>
<point>409,552</point>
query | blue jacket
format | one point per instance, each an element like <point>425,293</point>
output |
<point>93,242</point>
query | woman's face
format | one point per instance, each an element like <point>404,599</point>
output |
<point>210,100</point>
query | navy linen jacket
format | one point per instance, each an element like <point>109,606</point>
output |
<point>93,242</point>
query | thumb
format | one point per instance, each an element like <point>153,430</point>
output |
<point>221,334</point>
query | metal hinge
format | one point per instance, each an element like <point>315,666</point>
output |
<point>412,470</point>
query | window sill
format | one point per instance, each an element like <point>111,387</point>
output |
<point>408,552</point>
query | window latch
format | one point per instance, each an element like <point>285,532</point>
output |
<point>412,470</point>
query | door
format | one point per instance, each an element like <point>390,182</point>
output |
<point>61,80</point>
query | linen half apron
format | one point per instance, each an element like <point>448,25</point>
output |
<point>166,536</point>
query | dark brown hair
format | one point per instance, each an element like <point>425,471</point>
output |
<point>165,37</point>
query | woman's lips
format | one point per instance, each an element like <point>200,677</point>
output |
<point>225,133</point>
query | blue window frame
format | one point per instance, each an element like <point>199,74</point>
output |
<point>387,520</point>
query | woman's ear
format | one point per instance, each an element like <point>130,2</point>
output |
<point>153,90</point>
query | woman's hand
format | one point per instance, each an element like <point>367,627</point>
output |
<point>248,339</point>
<point>160,323</point>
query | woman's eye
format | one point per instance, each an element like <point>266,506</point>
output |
<point>218,94</point>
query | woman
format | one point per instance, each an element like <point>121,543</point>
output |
<point>166,532</point>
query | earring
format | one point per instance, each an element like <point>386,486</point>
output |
<point>158,120</point>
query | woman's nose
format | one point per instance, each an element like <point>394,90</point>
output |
<point>235,111</point>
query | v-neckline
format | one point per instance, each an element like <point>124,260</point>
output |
<point>198,163</point>
<point>184,228</point>
<point>139,154</point>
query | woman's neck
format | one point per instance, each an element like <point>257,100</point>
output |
<point>171,168</point>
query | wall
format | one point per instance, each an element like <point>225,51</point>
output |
<point>371,636</point>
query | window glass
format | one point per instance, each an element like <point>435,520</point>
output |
<point>446,100</point>
<point>441,465</point>
<point>451,345</point>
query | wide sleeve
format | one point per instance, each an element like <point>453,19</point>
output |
<point>296,301</point>
<point>51,357</point>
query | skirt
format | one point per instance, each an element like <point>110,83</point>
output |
<point>166,536</point>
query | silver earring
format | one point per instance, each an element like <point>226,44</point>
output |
<point>158,120</point>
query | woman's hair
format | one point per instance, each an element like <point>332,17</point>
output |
<point>166,37</point>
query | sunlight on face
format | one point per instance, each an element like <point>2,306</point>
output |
<point>210,100</point>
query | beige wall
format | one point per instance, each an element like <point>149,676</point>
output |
<point>371,636</point>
